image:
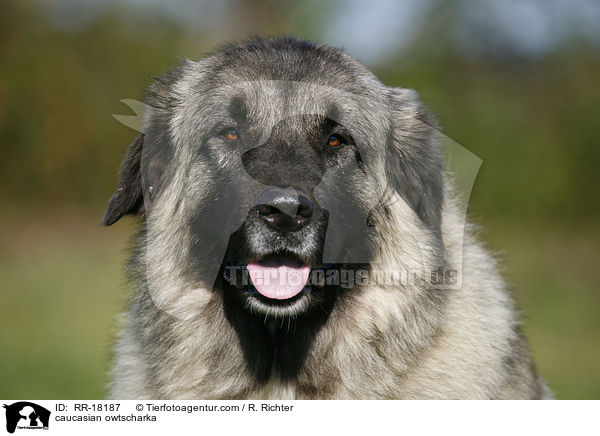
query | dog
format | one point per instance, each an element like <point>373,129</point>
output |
<point>279,185</point>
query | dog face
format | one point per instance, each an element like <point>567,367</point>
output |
<point>266,163</point>
<point>310,169</point>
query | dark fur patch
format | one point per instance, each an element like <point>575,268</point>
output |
<point>128,198</point>
<point>414,164</point>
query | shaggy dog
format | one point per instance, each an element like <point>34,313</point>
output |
<point>299,239</point>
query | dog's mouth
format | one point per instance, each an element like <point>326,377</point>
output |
<point>279,276</point>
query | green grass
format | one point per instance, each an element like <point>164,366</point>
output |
<point>62,285</point>
<point>553,272</point>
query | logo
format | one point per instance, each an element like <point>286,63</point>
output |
<point>26,415</point>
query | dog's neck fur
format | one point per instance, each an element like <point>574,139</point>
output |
<point>274,347</point>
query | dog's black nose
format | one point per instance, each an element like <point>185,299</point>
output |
<point>285,210</point>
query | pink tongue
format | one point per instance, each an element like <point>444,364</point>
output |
<point>278,282</point>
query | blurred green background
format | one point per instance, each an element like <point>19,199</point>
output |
<point>515,82</point>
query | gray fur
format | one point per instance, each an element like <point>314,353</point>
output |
<point>379,341</point>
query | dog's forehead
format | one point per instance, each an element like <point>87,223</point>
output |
<point>267,103</point>
<point>277,99</point>
<point>207,98</point>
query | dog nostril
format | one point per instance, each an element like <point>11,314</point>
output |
<point>305,207</point>
<point>265,209</point>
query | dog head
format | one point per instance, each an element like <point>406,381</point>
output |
<point>268,164</point>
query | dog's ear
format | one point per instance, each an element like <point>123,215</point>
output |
<point>414,165</point>
<point>128,198</point>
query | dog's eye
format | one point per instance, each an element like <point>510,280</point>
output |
<point>334,141</point>
<point>231,134</point>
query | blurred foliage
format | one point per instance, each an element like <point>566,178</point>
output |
<point>57,91</point>
<point>532,120</point>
